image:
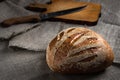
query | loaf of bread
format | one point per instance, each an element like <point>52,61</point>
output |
<point>78,50</point>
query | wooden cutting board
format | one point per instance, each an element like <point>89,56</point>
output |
<point>90,13</point>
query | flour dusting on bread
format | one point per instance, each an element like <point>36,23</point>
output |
<point>78,50</point>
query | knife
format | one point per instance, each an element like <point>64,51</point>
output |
<point>40,17</point>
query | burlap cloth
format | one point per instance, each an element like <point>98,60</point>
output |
<point>30,64</point>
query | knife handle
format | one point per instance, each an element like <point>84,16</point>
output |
<point>18,20</point>
<point>37,7</point>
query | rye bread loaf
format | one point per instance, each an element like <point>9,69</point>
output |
<point>78,50</point>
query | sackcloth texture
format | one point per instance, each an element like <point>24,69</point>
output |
<point>23,46</point>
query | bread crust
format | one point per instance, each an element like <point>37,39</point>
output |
<point>78,50</point>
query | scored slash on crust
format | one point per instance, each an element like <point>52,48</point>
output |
<point>78,50</point>
<point>68,44</point>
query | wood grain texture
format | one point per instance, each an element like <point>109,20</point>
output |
<point>58,5</point>
<point>110,11</point>
<point>20,20</point>
<point>80,15</point>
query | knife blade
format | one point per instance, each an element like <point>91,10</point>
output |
<point>40,17</point>
<point>58,13</point>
